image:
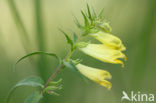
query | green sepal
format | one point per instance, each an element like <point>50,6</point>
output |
<point>77,61</point>
<point>55,83</point>
<point>82,44</point>
<point>53,86</point>
<point>53,93</point>
<point>52,90</point>
<point>104,26</point>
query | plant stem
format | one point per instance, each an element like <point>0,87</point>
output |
<point>61,66</point>
<point>69,55</point>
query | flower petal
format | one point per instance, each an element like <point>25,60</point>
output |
<point>106,84</point>
<point>103,53</point>
<point>110,40</point>
<point>96,75</point>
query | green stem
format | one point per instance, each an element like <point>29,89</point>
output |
<point>60,67</point>
<point>69,55</point>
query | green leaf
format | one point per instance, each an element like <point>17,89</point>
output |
<point>77,23</point>
<point>101,12</point>
<point>36,53</point>
<point>33,81</point>
<point>72,67</point>
<point>86,22</point>
<point>74,37</point>
<point>87,26</point>
<point>34,97</point>
<point>94,14</point>
<point>69,40</point>
<point>89,13</point>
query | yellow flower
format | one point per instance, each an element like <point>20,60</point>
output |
<point>97,75</point>
<point>109,39</point>
<point>104,53</point>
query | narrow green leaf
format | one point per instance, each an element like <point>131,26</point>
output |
<point>101,12</point>
<point>69,40</point>
<point>86,22</point>
<point>94,14</point>
<point>72,67</point>
<point>89,13</point>
<point>36,53</point>
<point>77,23</point>
<point>34,97</point>
<point>74,37</point>
<point>33,81</point>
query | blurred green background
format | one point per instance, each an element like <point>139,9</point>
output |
<point>32,25</point>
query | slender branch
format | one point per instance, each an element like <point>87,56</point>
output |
<point>52,76</point>
<point>61,66</point>
<point>69,55</point>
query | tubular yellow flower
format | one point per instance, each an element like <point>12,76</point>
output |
<point>109,39</point>
<point>104,53</point>
<point>97,75</point>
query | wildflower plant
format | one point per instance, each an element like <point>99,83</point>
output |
<point>109,50</point>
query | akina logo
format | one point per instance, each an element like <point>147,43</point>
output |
<point>137,97</point>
